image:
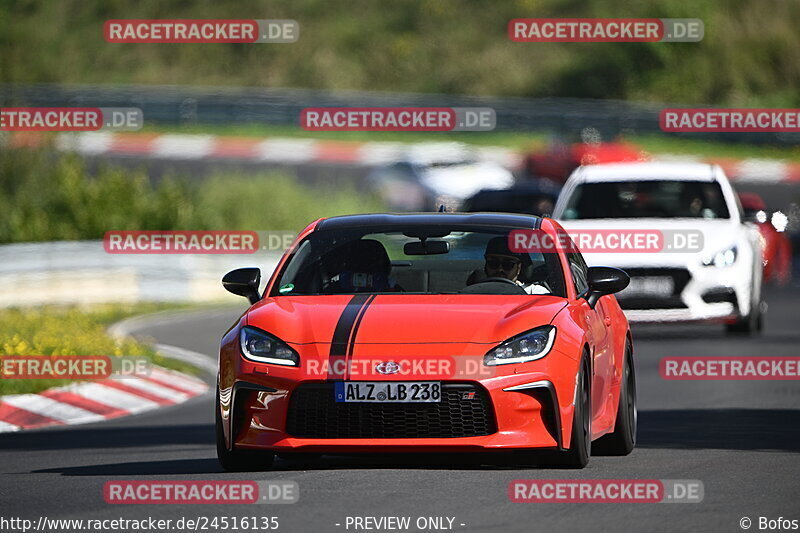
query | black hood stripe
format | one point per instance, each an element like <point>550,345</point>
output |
<point>351,346</point>
<point>344,333</point>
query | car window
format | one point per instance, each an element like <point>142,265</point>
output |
<point>580,272</point>
<point>395,261</point>
<point>647,199</point>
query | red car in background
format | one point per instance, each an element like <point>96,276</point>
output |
<point>426,333</point>
<point>559,159</point>
<point>777,248</point>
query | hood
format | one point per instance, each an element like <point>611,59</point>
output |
<point>717,235</point>
<point>402,319</point>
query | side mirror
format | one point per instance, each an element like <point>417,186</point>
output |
<point>605,280</point>
<point>243,282</point>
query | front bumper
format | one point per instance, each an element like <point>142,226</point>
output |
<point>700,294</point>
<point>718,312</point>
<point>524,410</point>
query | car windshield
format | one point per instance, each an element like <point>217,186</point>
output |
<point>417,260</point>
<point>647,199</point>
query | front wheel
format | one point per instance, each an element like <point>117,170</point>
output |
<point>751,324</point>
<point>577,456</point>
<point>238,460</point>
<point>623,440</point>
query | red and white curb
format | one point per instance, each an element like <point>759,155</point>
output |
<point>94,401</point>
<point>298,150</point>
<point>270,150</point>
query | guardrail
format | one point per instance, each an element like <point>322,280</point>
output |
<point>218,105</point>
<point>81,272</point>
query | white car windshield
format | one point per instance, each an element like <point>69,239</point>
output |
<point>647,199</point>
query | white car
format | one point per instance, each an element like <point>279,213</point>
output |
<point>431,174</point>
<point>717,281</point>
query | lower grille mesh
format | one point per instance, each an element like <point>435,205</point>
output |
<point>314,414</point>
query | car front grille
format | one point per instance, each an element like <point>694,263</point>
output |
<point>680,278</point>
<point>465,411</point>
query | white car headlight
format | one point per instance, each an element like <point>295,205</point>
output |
<point>723,258</point>
<point>528,346</point>
<point>264,348</point>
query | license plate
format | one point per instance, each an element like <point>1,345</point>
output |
<point>650,286</point>
<point>388,391</point>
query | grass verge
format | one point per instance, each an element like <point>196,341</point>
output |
<point>72,331</point>
<point>48,197</point>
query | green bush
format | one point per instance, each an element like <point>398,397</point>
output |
<point>749,57</point>
<point>45,196</point>
<point>70,331</point>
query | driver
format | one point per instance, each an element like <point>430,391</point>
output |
<point>501,262</point>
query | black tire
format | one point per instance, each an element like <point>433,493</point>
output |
<point>577,456</point>
<point>238,460</point>
<point>751,324</point>
<point>623,440</point>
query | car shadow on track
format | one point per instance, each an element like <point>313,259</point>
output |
<point>722,429</point>
<point>101,437</point>
<point>141,468</point>
<point>328,462</point>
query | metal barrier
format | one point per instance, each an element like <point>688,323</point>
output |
<point>218,105</point>
<point>81,272</point>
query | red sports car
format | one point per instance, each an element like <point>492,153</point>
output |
<point>426,333</point>
<point>557,161</point>
<point>776,246</point>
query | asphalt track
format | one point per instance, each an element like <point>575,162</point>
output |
<point>741,439</point>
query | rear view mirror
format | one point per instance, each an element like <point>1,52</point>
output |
<point>426,247</point>
<point>243,282</point>
<point>605,280</point>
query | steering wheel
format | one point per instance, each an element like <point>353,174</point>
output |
<point>498,279</point>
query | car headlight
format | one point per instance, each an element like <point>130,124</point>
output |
<point>263,348</point>
<point>723,258</point>
<point>528,346</point>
